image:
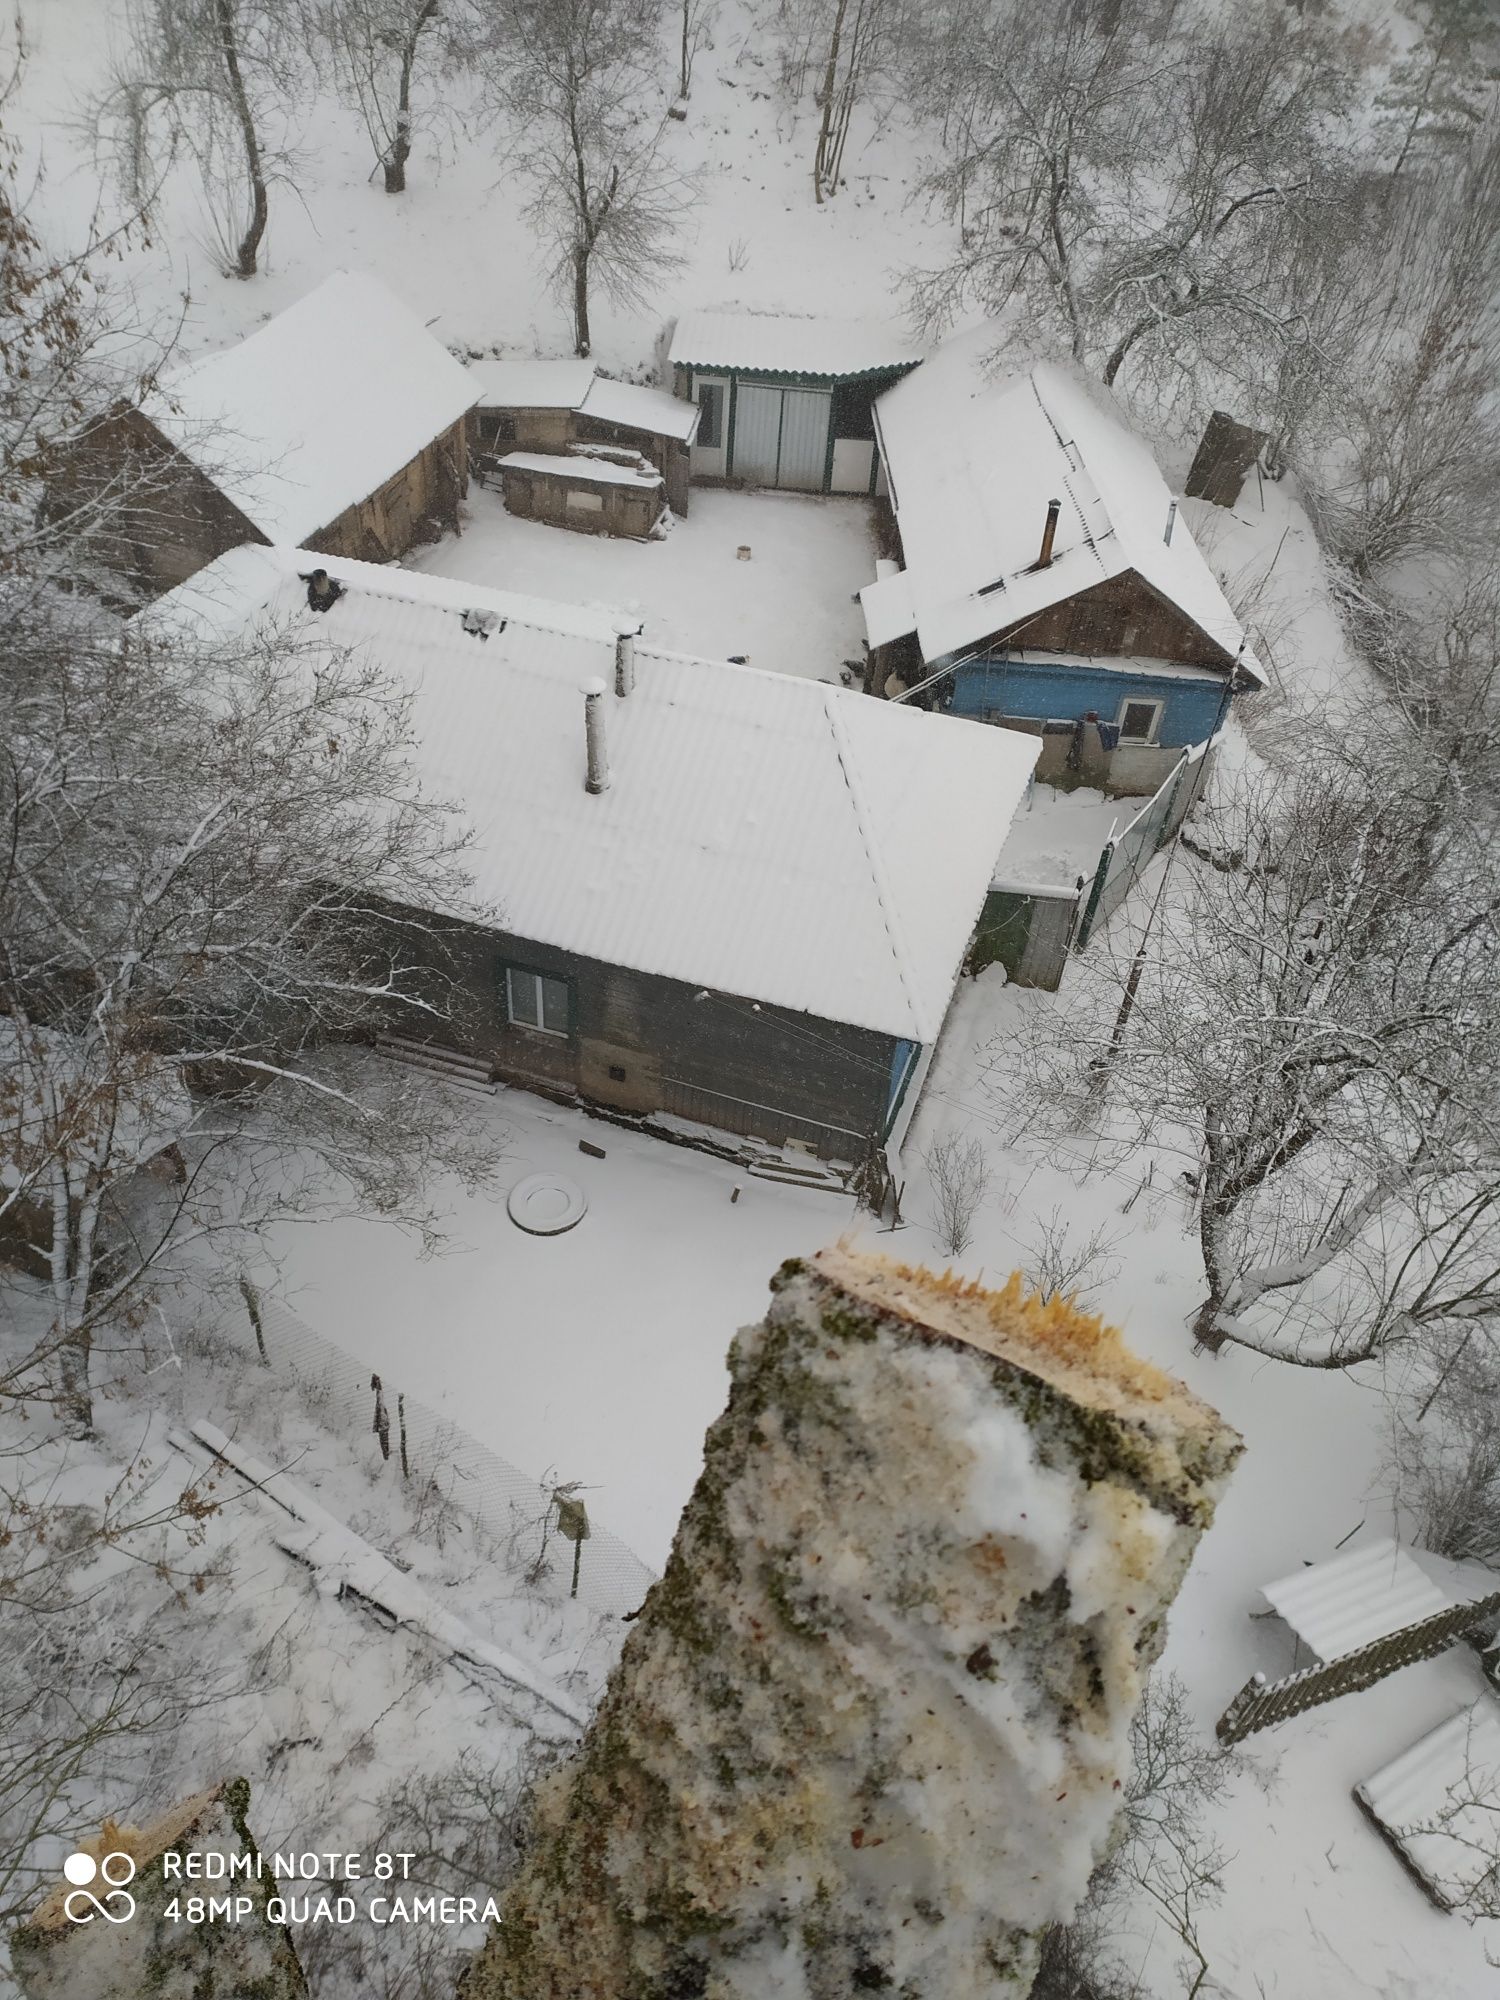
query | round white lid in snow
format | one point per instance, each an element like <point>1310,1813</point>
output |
<point>546,1204</point>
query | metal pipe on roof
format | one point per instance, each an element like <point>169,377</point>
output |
<point>1171,522</point>
<point>624,662</point>
<point>593,735</point>
<point>1049,534</point>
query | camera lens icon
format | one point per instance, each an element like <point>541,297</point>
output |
<point>114,1870</point>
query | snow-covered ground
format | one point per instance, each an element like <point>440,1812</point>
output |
<point>600,1354</point>
<point>789,605</point>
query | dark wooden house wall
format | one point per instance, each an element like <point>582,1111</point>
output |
<point>176,521</point>
<point>640,1043</point>
<point>173,520</point>
<point>1123,616</point>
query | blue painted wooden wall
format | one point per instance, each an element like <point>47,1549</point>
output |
<point>1061,691</point>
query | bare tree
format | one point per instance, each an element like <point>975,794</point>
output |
<point>695,20</point>
<point>213,81</point>
<point>851,44</point>
<point>70,346</point>
<point>87,1565</point>
<point>1400,451</point>
<point>378,47</point>
<point>1166,1858</point>
<point>1444,1452</point>
<point>213,856</point>
<point>1062,1263</point>
<point>1128,177</point>
<point>960,1177</point>
<point>1319,1017</point>
<point>1439,89</point>
<point>578,82</point>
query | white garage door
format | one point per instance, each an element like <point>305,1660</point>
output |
<point>781,436</point>
<point>805,416</point>
<point>757,433</point>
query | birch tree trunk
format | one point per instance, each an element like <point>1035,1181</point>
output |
<point>870,1729</point>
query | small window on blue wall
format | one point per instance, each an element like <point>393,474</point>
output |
<point>1139,720</point>
<point>711,415</point>
<point>532,1000</point>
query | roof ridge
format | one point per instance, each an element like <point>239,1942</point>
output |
<point>844,750</point>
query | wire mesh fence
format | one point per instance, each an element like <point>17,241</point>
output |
<point>1129,851</point>
<point>545,1527</point>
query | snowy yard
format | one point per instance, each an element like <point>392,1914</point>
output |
<point>598,1355</point>
<point>789,606</point>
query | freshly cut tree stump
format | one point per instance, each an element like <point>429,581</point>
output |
<point>870,1729</point>
<point>116,1953</point>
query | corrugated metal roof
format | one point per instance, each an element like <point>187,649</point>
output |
<point>1338,1606</point>
<point>763,835</point>
<point>641,409</point>
<point>1440,1803</point>
<point>315,410</point>
<point>765,343</point>
<point>973,457</point>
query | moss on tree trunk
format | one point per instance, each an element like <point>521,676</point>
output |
<point>868,1730</point>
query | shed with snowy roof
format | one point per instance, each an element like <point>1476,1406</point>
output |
<point>341,422</point>
<point>704,893</point>
<point>548,407</point>
<point>785,399</point>
<point>1049,578</point>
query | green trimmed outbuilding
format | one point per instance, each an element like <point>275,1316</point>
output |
<point>786,401</point>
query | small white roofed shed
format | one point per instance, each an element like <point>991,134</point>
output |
<point>317,409</point>
<point>1336,1607</point>
<point>1438,1804</point>
<point>764,836</point>
<point>973,453</point>
<point>546,406</point>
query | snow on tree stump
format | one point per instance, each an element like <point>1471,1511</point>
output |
<point>870,1730</point>
<point>69,1949</point>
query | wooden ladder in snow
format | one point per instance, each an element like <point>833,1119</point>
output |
<point>1261,1703</point>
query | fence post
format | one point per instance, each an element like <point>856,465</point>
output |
<point>1101,876</point>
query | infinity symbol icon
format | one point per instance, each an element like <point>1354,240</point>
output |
<point>116,1869</point>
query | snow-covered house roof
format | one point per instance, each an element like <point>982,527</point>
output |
<point>573,385</point>
<point>532,385</point>
<point>1336,1607</point>
<point>973,457</point>
<point>641,409</point>
<point>318,408</point>
<point>1439,1803</point>
<point>763,835</point>
<point>764,343</point>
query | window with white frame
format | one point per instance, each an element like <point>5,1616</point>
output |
<point>1139,721</point>
<point>532,1000</point>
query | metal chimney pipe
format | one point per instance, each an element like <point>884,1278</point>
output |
<point>593,735</point>
<point>1171,523</point>
<point>624,663</point>
<point>1049,534</point>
